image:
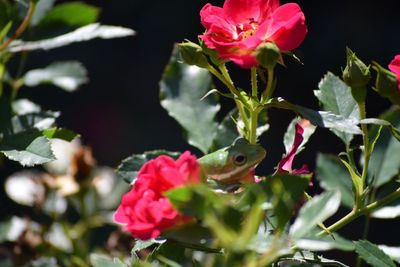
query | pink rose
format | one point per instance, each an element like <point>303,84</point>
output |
<point>145,211</point>
<point>240,26</point>
<point>285,165</point>
<point>394,67</point>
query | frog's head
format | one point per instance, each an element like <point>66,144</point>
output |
<point>233,163</point>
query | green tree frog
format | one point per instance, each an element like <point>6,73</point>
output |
<point>233,164</point>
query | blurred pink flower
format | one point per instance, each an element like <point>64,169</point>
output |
<point>144,210</point>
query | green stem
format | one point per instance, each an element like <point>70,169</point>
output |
<point>253,126</point>
<point>254,85</point>
<point>228,83</point>
<point>22,27</point>
<point>354,214</point>
<point>269,90</point>
<point>2,72</point>
<point>367,152</point>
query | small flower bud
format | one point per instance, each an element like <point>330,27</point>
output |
<point>268,55</point>
<point>356,74</point>
<point>192,54</point>
<point>386,84</point>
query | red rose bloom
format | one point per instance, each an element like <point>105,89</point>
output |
<point>240,26</point>
<point>144,210</point>
<point>394,67</point>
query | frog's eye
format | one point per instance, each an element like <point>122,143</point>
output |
<point>239,159</point>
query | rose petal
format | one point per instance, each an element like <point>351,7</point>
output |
<point>287,27</point>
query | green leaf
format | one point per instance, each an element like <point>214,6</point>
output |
<point>334,176</point>
<point>324,119</point>
<point>81,34</point>
<point>72,14</point>
<point>392,252</point>
<point>42,8</point>
<point>357,181</point>
<point>288,138</point>
<point>195,200</point>
<point>60,133</point>
<point>386,84</point>
<point>43,262</point>
<point>284,191</point>
<point>25,106</point>
<point>12,229</point>
<point>392,209</point>
<point>67,75</point>
<point>5,229</point>
<point>395,132</point>
<point>324,243</point>
<point>315,211</point>
<point>8,13</point>
<point>309,257</point>
<point>384,165</point>
<point>372,254</point>
<point>129,167</point>
<point>181,88</point>
<point>335,96</point>
<point>4,31</point>
<point>28,122</point>
<point>193,236</point>
<point>227,131</point>
<point>98,260</point>
<point>28,148</point>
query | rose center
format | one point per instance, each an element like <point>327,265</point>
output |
<point>247,29</point>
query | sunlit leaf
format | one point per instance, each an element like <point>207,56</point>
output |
<point>98,260</point>
<point>324,119</point>
<point>306,257</point>
<point>67,75</point>
<point>181,88</point>
<point>326,242</point>
<point>25,106</point>
<point>42,8</point>
<point>315,211</point>
<point>28,148</point>
<point>392,252</point>
<point>335,96</point>
<point>82,34</point>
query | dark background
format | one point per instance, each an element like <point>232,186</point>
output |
<point>118,112</point>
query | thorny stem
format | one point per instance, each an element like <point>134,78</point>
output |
<point>254,86</point>
<point>367,153</point>
<point>269,89</point>
<point>22,27</point>
<point>355,213</point>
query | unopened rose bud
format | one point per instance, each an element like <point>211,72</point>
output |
<point>268,55</point>
<point>192,54</point>
<point>386,84</point>
<point>357,75</point>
